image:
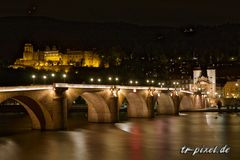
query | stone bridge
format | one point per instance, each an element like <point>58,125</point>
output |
<point>48,105</point>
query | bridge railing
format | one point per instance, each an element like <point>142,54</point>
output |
<point>90,86</point>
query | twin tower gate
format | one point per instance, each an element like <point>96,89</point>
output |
<point>48,105</point>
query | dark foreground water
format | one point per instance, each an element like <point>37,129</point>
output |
<point>135,139</point>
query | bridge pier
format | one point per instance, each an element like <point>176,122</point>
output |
<point>150,105</point>
<point>113,107</point>
<point>59,109</point>
<point>176,102</point>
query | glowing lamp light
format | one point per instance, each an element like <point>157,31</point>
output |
<point>53,75</point>
<point>99,80</point>
<point>116,79</point>
<point>33,76</point>
<point>64,75</point>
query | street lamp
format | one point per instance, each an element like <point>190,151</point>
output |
<point>130,81</point>
<point>136,82</point>
<point>116,79</point>
<point>237,89</point>
<point>44,78</point>
<point>53,76</point>
<point>64,77</point>
<point>161,84</point>
<point>175,84</point>
<point>91,79</point>
<point>110,78</point>
<point>33,78</point>
<point>99,80</point>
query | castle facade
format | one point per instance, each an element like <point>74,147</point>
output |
<point>52,59</point>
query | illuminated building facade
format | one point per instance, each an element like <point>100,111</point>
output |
<point>232,89</point>
<point>54,60</point>
<point>204,81</point>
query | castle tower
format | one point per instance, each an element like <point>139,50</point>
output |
<point>28,52</point>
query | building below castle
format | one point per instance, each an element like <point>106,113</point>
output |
<point>204,81</point>
<point>53,60</point>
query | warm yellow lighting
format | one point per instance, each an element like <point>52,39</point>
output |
<point>99,80</point>
<point>116,79</point>
<point>33,76</point>
<point>53,75</point>
<point>44,77</point>
<point>109,78</point>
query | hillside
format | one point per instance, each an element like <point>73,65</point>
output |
<point>136,39</point>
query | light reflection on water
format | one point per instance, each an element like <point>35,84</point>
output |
<point>158,138</point>
<point>9,150</point>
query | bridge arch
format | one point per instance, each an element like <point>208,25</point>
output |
<point>165,104</point>
<point>186,102</point>
<point>39,116</point>
<point>137,105</point>
<point>97,102</point>
<point>97,107</point>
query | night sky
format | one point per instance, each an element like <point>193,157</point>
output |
<point>146,12</point>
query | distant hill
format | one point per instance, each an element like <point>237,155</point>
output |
<point>136,39</point>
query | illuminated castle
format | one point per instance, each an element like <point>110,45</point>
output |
<point>54,60</point>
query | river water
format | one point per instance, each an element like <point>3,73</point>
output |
<point>134,139</point>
